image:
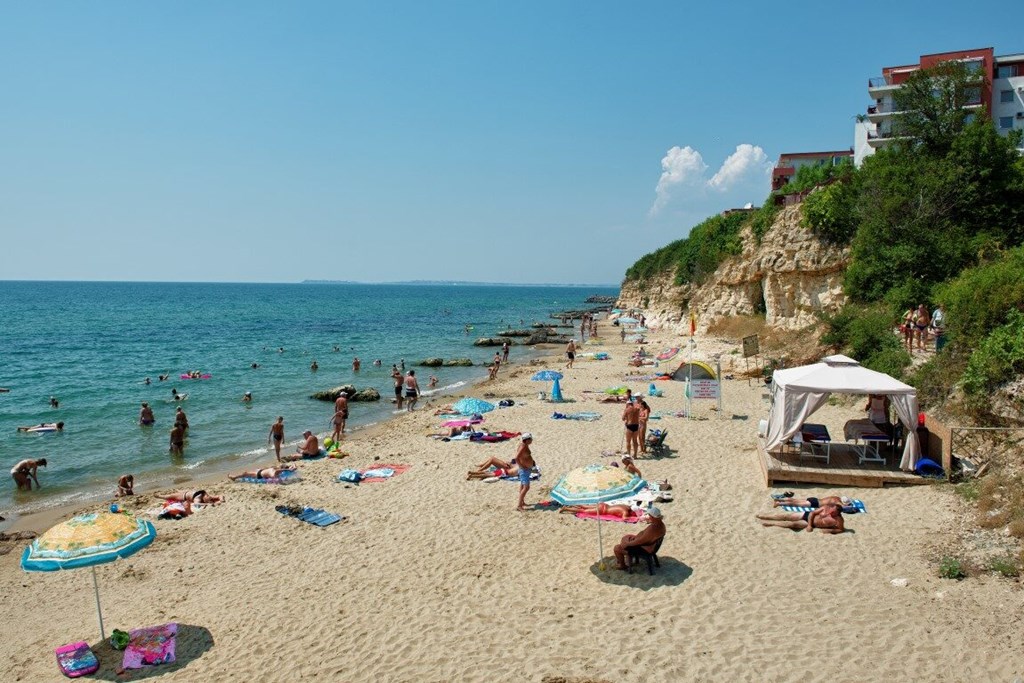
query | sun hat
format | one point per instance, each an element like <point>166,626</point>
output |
<point>845,500</point>
<point>526,435</point>
<point>654,512</point>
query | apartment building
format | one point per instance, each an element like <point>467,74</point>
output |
<point>999,95</point>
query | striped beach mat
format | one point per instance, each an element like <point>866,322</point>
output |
<point>854,506</point>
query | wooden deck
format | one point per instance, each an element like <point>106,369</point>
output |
<point>841,470</point>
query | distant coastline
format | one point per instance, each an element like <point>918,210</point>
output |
<point>462,283</point>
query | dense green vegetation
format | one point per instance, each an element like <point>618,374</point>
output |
<point>695,257</point>
<point>937,216</point>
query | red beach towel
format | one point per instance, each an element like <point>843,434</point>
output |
<point>397,468</point>
<point>632,519</point>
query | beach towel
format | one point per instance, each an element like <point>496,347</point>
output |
<point>150,646</point>
<point>286,477</point>
<point>379,472</point>
<point>854,507</point>
<point>493,437</point>
<point>314,516</point>
<point>76,659</point>
<point>461,423</point>
<point>632,519</point>
<point>586,417</point>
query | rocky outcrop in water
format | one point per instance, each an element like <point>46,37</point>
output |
<point>431,362</point>
<point>353,394</point>
<point>458,362</point>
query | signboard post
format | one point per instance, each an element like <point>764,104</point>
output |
<point>751,348</point>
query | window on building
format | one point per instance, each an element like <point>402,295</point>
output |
<point>1007,71</point>
<point>1005,122</point>
<point>974,66</point>
<point>1006,96</point>
<point>972,95</point>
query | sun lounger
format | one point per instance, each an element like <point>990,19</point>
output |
<point>814,436</point>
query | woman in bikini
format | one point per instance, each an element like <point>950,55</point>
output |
<point>621,510</point>
<point>199,496</point>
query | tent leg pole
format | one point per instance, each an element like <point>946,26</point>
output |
<point>99,611</point>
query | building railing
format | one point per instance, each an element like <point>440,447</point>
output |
<point>878,82</point>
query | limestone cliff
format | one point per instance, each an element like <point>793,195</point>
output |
<point>789,276</point>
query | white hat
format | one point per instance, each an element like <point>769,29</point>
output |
<point>845,500</point>
<point>654,512</point>
<point>526,435</point>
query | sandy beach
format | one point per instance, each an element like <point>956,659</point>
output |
<point>435,578</point>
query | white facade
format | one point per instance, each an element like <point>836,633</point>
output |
<point>1008,95</point>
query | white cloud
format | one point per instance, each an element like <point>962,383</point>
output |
<point>685,168</point>
<point>746,161</point>
<point>679,167</point>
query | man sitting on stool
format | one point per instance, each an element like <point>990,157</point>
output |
<point>646,539</point>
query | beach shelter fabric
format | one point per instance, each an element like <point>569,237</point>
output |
<point>700,371</point>
<point>798,392</point>
<point>550,376</point>
<point>86,541</point>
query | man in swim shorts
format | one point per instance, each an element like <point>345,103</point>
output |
<point>524,460</point>
<point>277,434</point>
<point>396,375</point>
<point>631,418</point>
<point>340,416</point>
<point>829,519</point>
<point>570,353</point>
<point>412,390</point>
<point>310,448</point>
<point>24,473</point>
<point>263,472</point>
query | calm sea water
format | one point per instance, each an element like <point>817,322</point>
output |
<point>91,345</point>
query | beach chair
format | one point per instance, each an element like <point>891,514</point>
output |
<point>636,553</point>
<point>656,442</point>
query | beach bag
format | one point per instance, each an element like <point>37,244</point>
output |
<point>76,659</point>
<point>506,402</point>
<point>351,476</point>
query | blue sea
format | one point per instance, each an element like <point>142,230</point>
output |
<point>92,344</point>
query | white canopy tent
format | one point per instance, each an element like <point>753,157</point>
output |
<point>798,392</point>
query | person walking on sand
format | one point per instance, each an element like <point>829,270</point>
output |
<point>631,418</point>
<point>412,390</point>
<point>525,462</point>
<point>24,473</point>
<point>340,416</point>
<point>277,434</point>
<point>570,353</point>
<point>504,352</point>
<point>396,375</point>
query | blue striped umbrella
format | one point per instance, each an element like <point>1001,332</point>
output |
<point>86,541</point>
<point>550,376</point>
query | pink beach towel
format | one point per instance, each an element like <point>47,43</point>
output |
<point>151,645</point>
<point>633,519</point>
<point>397,468</point>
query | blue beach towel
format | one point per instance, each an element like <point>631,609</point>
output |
<point>381,472</point>
<point>287,477</point>
<point>854,507</point>
<point>314,516</point>
<point>586,417</point>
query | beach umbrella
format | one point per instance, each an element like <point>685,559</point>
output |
<point>550,376</point>
<point>472,406</point>
<point>86,541</point>
<point>594,484</point>
<point>628,320</point>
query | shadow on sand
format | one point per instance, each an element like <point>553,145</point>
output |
<point>671,573</point>
<point>191,643</point>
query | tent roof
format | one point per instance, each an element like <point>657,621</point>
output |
<point>839,375</point>
<point>700,370</point>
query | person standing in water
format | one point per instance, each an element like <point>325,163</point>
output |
<point>396,375</point>
<point>146,417</point>
<point>277,434</point>
<point>340,416</point>
<point>412,390</point>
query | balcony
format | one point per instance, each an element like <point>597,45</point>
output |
<point>880,138</point>
<point>879,112</point>
<point>880,85</point>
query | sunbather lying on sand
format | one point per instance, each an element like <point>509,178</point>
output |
<point>263,472</point>
<point>454,431</point>
<point>828,519</point>
<point>501,469</point>
<point>812,502</point>
<point>623,511</point>
<point>198,496</point>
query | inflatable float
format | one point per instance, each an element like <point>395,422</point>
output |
<point>185,375</point>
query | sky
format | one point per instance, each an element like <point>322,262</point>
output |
<point>532,141</point>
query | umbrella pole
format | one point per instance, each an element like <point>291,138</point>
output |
<point>99,611</point>
<point>600,545</point>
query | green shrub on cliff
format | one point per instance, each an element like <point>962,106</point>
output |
<point>999,358</point>
<point>865,333</point>
<point>828,213</point>
<point>695,257</point>
<point>982,298</point>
